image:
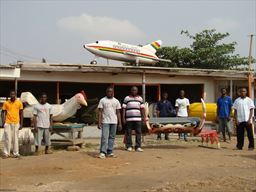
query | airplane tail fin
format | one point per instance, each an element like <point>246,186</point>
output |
<point>154,46</point>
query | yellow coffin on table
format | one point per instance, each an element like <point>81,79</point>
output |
<point>195,110</point>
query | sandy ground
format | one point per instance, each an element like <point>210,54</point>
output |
<point>174,166</point>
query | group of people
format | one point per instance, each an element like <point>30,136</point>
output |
<point>243,115</point>
<point>110,117</point>
<point>132,116</point>
<point>12,121</point>
<point>165,109</point>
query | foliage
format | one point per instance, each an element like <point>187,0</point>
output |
<point>207,51</point>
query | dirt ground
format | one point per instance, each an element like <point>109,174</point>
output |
<point>175,166</point>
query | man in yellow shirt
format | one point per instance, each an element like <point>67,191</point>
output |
<point>12,118</point>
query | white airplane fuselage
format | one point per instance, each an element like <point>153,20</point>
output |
<point>122,52</point>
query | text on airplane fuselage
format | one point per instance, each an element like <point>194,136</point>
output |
<point>127,48</point>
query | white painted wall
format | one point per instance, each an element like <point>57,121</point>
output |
<point>9,73</point>
<point>81,77</point>
<point>209,83</point>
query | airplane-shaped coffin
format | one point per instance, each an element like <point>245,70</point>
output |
<point>125,52</point>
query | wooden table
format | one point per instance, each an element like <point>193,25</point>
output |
<point>71,139</point>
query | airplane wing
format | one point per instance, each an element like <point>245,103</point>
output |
<point>132,54</point>
<point>156,59</point>
<point>164,60</point>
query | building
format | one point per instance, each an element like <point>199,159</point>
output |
<point>62,81</point>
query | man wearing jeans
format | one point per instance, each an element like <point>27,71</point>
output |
<point>109,115</point>
<point>133,111</point>
<point>182,109</point>
<point>12,119</point>
<point>244,107</point>
<point>224,108</point>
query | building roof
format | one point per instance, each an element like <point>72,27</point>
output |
<point>88,68</point>
<point>7,66</point>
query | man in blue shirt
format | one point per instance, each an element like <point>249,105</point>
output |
<point>165,109</point>
<point>224,108</point>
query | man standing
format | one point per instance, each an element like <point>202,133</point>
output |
<point>109,115</point>
<point>182,108</point>
<point>12,119</point>
<point>164,109</point>
<point>224,108</point>
<point>133,113</point>
<point>43,123</point>
<point>244,107</point>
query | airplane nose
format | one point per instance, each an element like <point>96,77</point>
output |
<point>85,46</point>
<point>88,47</point>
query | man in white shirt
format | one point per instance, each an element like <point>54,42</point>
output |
<point>109,115</point>
<point>244,107</point>
<point>182,106</point>
<point>42,123</point>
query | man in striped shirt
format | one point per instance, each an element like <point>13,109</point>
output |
<point>133,114</point>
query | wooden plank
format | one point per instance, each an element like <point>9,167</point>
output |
<point>67,141</point>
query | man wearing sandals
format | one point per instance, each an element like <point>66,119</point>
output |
<point>43,123</point>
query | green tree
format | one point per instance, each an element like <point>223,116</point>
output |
<point>207,51</point>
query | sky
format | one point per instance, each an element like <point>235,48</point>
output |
<point>57,29</point>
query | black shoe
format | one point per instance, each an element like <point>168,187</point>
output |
<point>159,138</point>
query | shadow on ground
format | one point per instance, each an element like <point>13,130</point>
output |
<point>253,156</point>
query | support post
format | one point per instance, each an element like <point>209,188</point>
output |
<point>250,78</point>
<point>144,86</point>
<point>58,93</point>
<point>16,85</point>
<point>113,86</point>
<point>250,75</point>
<point>159,92</point>
<point>231,89</point>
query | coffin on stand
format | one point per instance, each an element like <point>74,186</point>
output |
<point>191,125</point>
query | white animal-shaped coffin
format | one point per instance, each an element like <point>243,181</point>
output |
<point>60,112</point>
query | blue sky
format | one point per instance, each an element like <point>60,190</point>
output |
<point>56,30</point>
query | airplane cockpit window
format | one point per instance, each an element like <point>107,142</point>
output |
<point>97,42</point>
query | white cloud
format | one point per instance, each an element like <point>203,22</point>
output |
<point>98,27</point>
<point>223,25</point>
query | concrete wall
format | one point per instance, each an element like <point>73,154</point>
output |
<point>6,73</point>
<point>209,83</point>
<point>81,77</point>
